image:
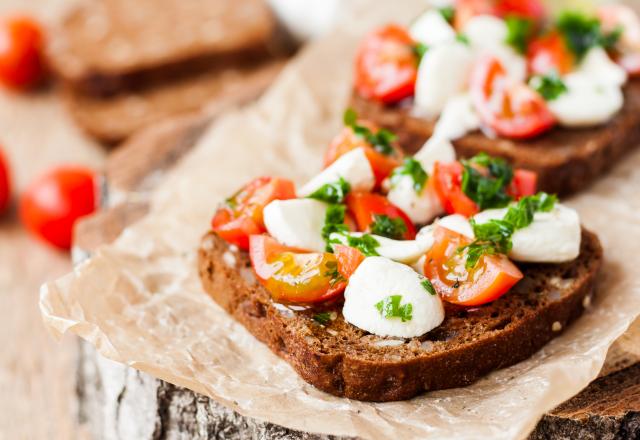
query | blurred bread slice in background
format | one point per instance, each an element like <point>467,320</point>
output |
<point>125,64</point>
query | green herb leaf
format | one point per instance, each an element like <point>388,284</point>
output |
<point>333,274</point>
<point>322,318</point>
<point>390,307</point>
<point>519,32</point>
<point>582,32</point>
<point>365,244</point>
<point>386,226</point>
<point>380,141</point>
<point>548,86</point>
<point>462,38</point>
<point>332,192</point>
<point>428,286</point>
<point>419,49</point>
<point>447,12</point>
<point>333,222</point>
<point>412,168</point>
<point>488,191</point>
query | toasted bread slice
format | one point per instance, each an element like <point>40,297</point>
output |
<point>115,118</point>
<point>566,160</point>
<point>345,361</point>
<point>102,41</point>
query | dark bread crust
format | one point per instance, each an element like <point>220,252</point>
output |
<point>565,159</point>
<point>345,361</point>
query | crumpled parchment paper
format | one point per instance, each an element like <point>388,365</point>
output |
<point>139,301</point>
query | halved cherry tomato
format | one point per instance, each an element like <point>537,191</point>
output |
<point>386,65</point>
<point>241,215</point>
<point>447,179</point>
<point>550,53</point>
<point>510,108</point>
<point>292,275</point>
<point>52,203</point>
<point>467,9</point>
<point>444,265</point>
<point>381,164</point>
<point>524,183</point>
<point>5,183</point>
<point>21,60</point>
<point>348,259</point>
<point>364,207</point>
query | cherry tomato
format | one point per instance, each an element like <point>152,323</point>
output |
<point>364,207</point>
<point>467,9</point>
<point>241,215</point>
<point>348,259</point>
<point>381,164</point>
<point>52,203</point>
<point>447,179</point>
<point>21,60</point>
<point>550,53</point>
<point>511,109</point>
<point>386,65</point>
<point>294,276</point>
<point>488,280</point>
<point>524,183</point>
<point>5,183</point>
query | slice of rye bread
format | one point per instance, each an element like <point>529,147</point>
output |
<point>345,361</point>
<point>116,118</point>
<point>565,159</point>
<point>102,44</point>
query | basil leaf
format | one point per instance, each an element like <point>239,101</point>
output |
<point>390,307</point>
<point>519,32</point>
<point>419,49</point>
<point>548,86</point>
<point>365,244</point>
<point>447,12</point>
<point>386,226</point>
<point>488,191</point>
<point>380,141</point>
<point>462,38</point>
<point>582,32</point>
<point>412,168</point>
<point>322,318</point>
<point>332,192</point>
<point>333,223</point>
<point>428,286</point>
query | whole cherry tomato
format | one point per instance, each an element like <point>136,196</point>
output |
<point>21,59</point>
<point>53,202</point>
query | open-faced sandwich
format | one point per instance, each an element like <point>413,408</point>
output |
<point>387,275</point>
<point>555,95</point>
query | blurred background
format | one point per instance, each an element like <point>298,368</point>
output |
<point>115,68</point>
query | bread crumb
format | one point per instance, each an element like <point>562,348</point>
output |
<point>388,342</point>
<point>229,259</point>
<point>586,302</point>
<point>556,327</point>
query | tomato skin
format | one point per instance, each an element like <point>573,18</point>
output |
<point>242,215</point>
<point>292,275</point>
<point>524,183</point>
<point>52,203</point>
<point>447,178</point>
<point>386,66</point>
<point>21,59</point>
<point>523,113</point>
<point>492,277</point>
<point>550,53</point>
<point>364,206</point>
<point>347,140</point>
<point>467,9</point>
<point>5,183</point>
<point>348,259</point>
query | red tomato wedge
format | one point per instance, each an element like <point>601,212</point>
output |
<point>294,276</point>
<point>386,65</point>
<point>241,215</point>
<point>447,179</point>
<point>550,53</point>
<point>348,259</point>
<point>511,109</point>
<point>364,206</point>
<point>467,9</point>
<point>52,203</point>
<point>491,277</point>
<point>21,59</point>
<point>381,164</point>
<point>524,183</point>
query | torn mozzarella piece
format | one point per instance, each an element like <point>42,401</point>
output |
<point>552,237</point>
<point>457,223</point>
<point>442,74</point>
<point>297,223</point>
<point>436,149</point>
<point>432,29</point>
<point>403,251</point>
<point>303,19</point>
<point>378,278</point>
<point>458,118</point>
<point>353,167</point>
<point>597,63</point>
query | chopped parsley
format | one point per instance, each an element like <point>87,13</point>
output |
<point>419,49</point>
<point>390,307</point>
<point>332,272</point>
<point>447,12</point>
<point>582,32</point>
<point>549,86</point>
<point>519,32</point>
<point>322,317</point>
<point>364,243</point>
<point>386,226</point>
<point>380,141</point>
<point>428,286</point>
<point>488,191</point>
<point>494,236</point>
<point>333,222</point>
<point>462,38</point>
<point>332,192</point>
<point>412,168</point>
